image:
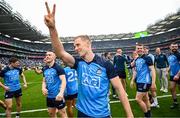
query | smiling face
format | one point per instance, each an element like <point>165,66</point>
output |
<point>49,57</point>
<point>15,64</point>
<point>82,46</point>
<point>140,49</point>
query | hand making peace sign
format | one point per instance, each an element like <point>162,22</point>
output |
<point>49,19</point>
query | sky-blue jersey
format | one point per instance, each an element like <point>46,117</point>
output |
<point>142,69</point>
<point>174,63</point>
<point>93,86</point>
<point>11,77</point>
<point>52,80</point>
<point>71,81</point>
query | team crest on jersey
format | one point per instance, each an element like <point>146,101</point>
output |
<point>99,71</point>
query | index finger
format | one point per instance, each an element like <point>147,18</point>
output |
<point>54,9</point>
<point>47,7</point>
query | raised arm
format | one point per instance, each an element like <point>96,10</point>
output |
<point>57,45</point>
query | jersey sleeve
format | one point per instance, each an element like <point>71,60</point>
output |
<point>60,70</point>
<point>148,60</point>
<point>2,72</point>
<point>76,63</point>
<point>20,71</point>
<point>110,70</point>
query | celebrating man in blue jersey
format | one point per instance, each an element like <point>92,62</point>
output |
<point>143,67</point>
<point>94,74</point>
<point>174,66</point>
<point>53,85</point>
<point>11,75</point>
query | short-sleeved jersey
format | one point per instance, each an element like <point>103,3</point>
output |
<point>119,63</point>
<point>142,69</point>
<point>161,61</point>
<point>71,81</point>
<point>174,63</point>
<point>152,57</point>
<point>93,86</point>
<point>52,80</point>
<point>11,77</point>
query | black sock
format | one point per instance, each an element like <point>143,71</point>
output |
<point>146,114</point>
<point>17,114</point>
<point>175,100</point>
<point>149,113</point>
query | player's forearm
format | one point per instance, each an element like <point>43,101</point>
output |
<point>62,87</point>
<point>178,74</point>
<point>43,85</point>
<point>2,85</point>
<point>24,79</point>
<point>56,43</point>
<point>123,98</point>
<point>153,75</point>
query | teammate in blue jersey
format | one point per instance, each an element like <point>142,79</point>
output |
<point>153,91</point>
<point>71,90</point>
<point>174,68</point>
<point>11,75</point>
<point>94,74</point>
<point>53,85</point>
<point>143,65</point>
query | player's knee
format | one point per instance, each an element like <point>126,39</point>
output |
<point>137,99</point>
<point>51,114</point>
<point>19,104</point>
<point>172,88</point>
<point>9,108</point>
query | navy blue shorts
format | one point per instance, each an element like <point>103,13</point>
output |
<point>70,97</point>
<point>177,81</point>
<point>11,94</point>
<point>52,103</point>
<point>142,87</point>
<point>122,74</point>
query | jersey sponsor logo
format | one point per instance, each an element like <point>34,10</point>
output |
<point>91,81</point>
<point>99,71</point>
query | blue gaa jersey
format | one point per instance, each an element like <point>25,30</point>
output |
<point>142,69</point>
<point>52,79</point>
<point>174,63</point>
<point>11,77</point>
<point>71,81</point>
<point>93,86</point>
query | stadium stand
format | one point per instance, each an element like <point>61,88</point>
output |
<point>19,38</point>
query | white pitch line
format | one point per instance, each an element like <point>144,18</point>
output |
<point>111,102</point>
<point>163,96</point>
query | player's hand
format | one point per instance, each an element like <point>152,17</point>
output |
<point>25,85</point>
<point>44,91</point>
<point>6,88</point>
<point>49,19</point>
<point>59,97</point>
<point>153,87</point>
<point>176,77</point>
<point>132,64</point>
